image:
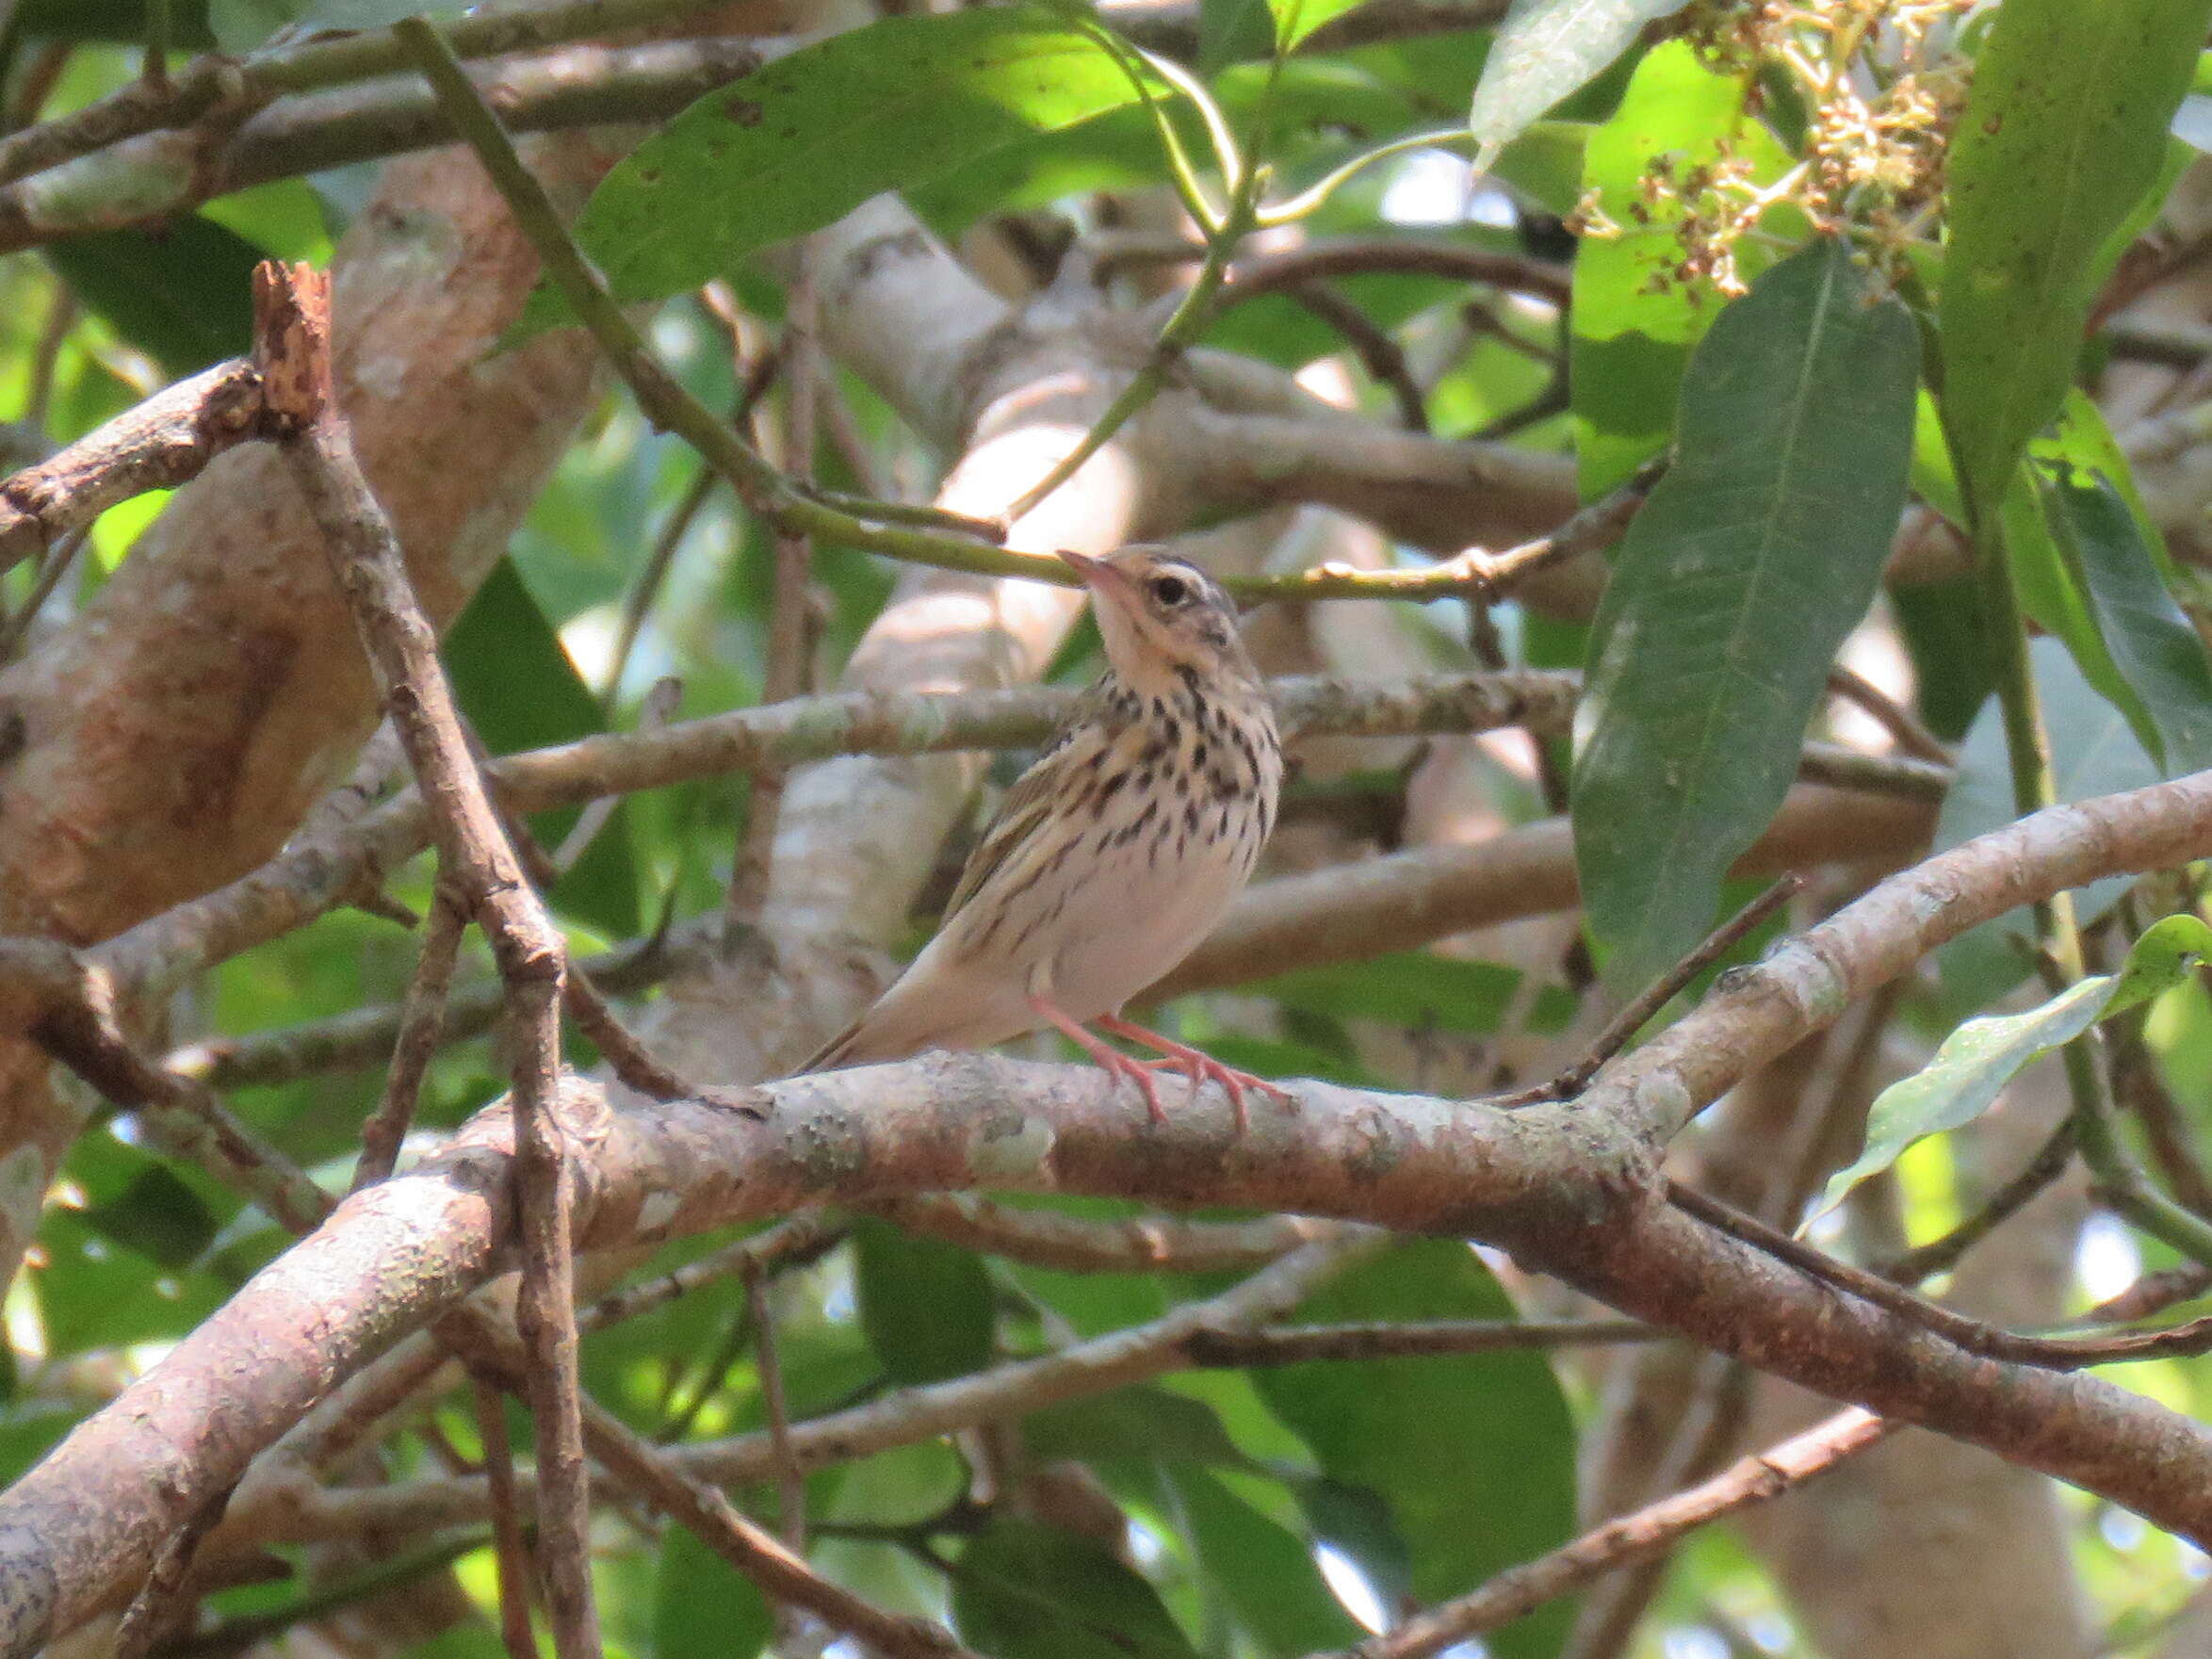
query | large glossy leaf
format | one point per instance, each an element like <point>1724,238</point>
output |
<point>519,691</point>
<point>2093,752</point>
<point>1756,555</point>
<point>1296,19</point>
<point>926,1306</point>
<point>1230,32</point>
<point>2064,130</point>
<point>1260,1568</point>
<point>703,1607</point>
<point>1024,1592</point>
<point>802,141</point>
<point>181,293</point>
<point>1545,49</point>
<point>1134,1422</point>
<point>1977,1060</point>
<point>2157,650</point>
<point>1634,322</point>
<point>1487,1478</point>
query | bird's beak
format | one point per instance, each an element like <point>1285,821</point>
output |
<point>1101,578</point>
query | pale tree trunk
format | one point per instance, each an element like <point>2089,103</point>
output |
<point>170,739</point>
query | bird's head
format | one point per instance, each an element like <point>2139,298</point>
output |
<point>1163,620</point>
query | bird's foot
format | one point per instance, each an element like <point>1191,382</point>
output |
<point>1199,1067</point>
<point>1109,1060</point>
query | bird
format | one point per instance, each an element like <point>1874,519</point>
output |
<point>1113,854</point>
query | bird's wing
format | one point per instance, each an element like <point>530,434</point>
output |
<point>1037,795</point>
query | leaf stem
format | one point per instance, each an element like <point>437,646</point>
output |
<point>2121,1181</point>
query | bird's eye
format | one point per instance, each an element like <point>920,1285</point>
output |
<point>1170,590</point>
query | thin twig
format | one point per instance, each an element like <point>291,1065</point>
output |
<point>1352,257</point>
<point>789,621</point>
<point>201,85</point>
<point>1989,1341</point>
<point>626,1055</point>
<point>1471,574</point>
<point>655,710</point>
<point>790,1478</point>
<point>1940,1255</point>
<point>516,1576</point>
<point>1520,1590</point>
<point>474,852</point>
<point>162,1601</point>
<point>422,1018</point>
<point>804,1238</point>
<point>1296,1344</point>
<point>1643,1007</point>
<point>169,438</point>
<point>58,562</point>
<point>1378,354</point>
<point>1903,726</point>
<point>2152,1294</point>
<point>637,605</point>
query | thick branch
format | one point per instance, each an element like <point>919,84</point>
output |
<point>1560,1186</point>
<point>156,446</point>
<point>1810,978</point>
<point>154,178</point>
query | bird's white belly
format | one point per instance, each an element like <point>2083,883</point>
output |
<point>1128,923</point>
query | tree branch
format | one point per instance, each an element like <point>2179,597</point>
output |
<point>1657,1527</point>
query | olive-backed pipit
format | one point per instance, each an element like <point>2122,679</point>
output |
<point>1116,854</point>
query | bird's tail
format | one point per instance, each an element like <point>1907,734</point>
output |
<point>888,1030</point>
<point>834,1053</point>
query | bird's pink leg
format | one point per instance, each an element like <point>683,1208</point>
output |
<point>1113,1061</point>
<point>1198,1065</point>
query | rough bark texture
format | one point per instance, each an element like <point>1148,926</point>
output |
<point>170,739</point>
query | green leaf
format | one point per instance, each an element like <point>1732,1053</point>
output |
<point>1415,989</point>
<point>519,689</point>
<point>703,1607</point>
<point>1974,1064</point>
<point>2093,752</point>
<point>159,1216</point>
<point>796,145</point>
<point>2063,131</point>
<point>1977,1060</point>
<point>183,294</point>
<point>1233,31</point>
<point>240,26</point>
<point>2171,950</point>
<point>1296,19</point>
<point>926,1306</point>
<point>1486,1477</point>
<point>1133,1423</point>
<point>1261,1570</point>
<point>1634,323</point>
<point>2054,594</point>
<point>2156,651</point>
<point>1025,1591</point>
<point>1755,556</point>
<point>1545,50</point>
